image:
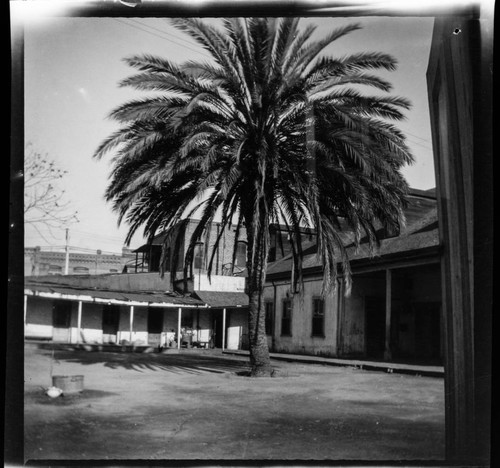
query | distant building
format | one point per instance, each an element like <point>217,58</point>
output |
<point>39,262</point>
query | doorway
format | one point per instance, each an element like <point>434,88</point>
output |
<point>61,319</point>
<point>217,328</point>
<point>110,322</point>
<point>375,326</point>
<point>155,326</point>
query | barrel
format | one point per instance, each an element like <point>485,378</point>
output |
<point>68,383</point>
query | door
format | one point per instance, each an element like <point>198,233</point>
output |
<point>61,319</point>
<point>110,322</point>
<point>375,327</point>
<point>427,331</point>
<point>155,326</point>
<point>217,328</point>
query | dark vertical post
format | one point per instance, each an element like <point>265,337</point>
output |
<point>388,313</point>
<point>340,316</point>
<point>13,336</point>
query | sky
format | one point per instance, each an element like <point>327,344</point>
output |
<point>72,70</point>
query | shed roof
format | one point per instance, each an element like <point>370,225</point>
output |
<point>223,299</point>
<point>45,285</point>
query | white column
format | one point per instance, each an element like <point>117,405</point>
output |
<point>179,328</point>
<point>79,322</point>
<point>25,311</point>
<point>131,322</point>
<point>223,329</point>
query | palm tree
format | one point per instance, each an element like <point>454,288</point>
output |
<point>269,131</point>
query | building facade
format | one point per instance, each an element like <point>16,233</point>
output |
<point>39,262</point>
<point>393,311</point>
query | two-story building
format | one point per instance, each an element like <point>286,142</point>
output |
<point>393,311</point>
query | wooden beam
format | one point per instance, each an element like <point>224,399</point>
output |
<point>388,313</point>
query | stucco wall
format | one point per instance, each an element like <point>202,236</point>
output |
<point>301,339</point>
<point>91,328</point>
<point>139,327</point>
<point>38,318</point>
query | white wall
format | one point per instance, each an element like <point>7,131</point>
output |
<point>219,283</point>
<point>301,339</point>
<point>237,328</point>
<point>38,318</point>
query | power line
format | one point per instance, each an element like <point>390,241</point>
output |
<point>419,144</point>
<point>420,138</point>
<point>161,31</point>
<point>162,37</point>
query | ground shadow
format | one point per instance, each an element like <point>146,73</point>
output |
<point>38,396</point>
<point>175,363</point>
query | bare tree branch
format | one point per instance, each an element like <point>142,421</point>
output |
<point>44,202</point>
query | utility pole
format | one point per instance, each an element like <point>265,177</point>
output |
<point>66,263</point>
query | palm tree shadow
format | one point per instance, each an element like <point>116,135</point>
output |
<point>174,363</point>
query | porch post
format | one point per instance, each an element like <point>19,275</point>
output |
<point>79,322</point>
<point>25,311</point>
<point>179,328</point>
<point>131,322</point>
<point>223,329</point>
<point>340,316</point>
<point>388,301</point>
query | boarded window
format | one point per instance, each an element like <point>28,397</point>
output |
<point>286,318</point>
<point>269,317</point>
<point>318,317</point>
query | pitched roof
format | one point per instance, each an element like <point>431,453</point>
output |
<point>420,234</point>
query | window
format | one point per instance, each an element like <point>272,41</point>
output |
<point>318,317</point>
<point>55,269</point>
<point>187,319</point>
<point>61,314</point>
<point>198,256</point>
<point>269,317</point>
<point>110,319</point>
<point>241,254</point>
<point>286,318</point>
<point>80,269</point>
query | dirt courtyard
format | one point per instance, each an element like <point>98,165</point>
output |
<point>197,406</point>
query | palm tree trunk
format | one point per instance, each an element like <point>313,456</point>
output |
<point>259,349</point>
<point>257,267</point>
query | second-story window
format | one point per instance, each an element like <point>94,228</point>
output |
<point>198,256</point>
<point>241,254</point>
